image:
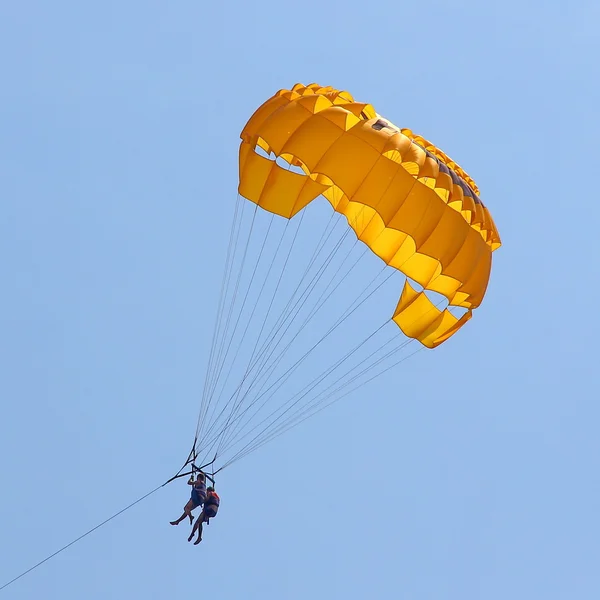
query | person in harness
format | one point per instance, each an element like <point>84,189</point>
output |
<point>211,507</point>
<point>197,498</point>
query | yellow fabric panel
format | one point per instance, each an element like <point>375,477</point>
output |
<point>445,159</point>
<point>391,189</point>
<point>399,249</point>
<point>397,146</point>
<point>421,268</point>
<point>298,192</point>
<point>348,173</point>
<point>394,195</point>
<point>377,182</point>
<point>467,203</point>
<point>416,161</point>
<point>415,313</point>
<point>430,169</point>
<point>342,118</point>
<point>443,329</point>
<point>273,131</point>
<point>405,251</point>
<point>262,144</point>
<point>446,286</point>
<point>461,299</point>
<point>378,140</point>
<point>383,241</point>
<point>478,215</point>
<point>314,104</point>
<point>419,214</point>
<point>420,319</point>
<point>359,216</point>
<point>477,282</point>
<point>312,140</point>
<point>254,172</point>
<point>463,264</point>
<point>443,185</point>
<point>275,189</point>
<point>458,196</point>
<point>442,242</point>
<point>336,197</point>
<point>262,114</point>
<point>446,239</point>
<point>356,108</point>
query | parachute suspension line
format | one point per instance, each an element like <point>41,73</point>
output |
<point>354,264</point>
<point>217,366</point>
<point>270,349</point>
<point>220,363</point>
<point>320,302</point>
<point>309,410</point>
<point>318,379</point>
<point>261,365</point>
<point>306,411</point>
<point>323,395</point>
<point>302,393</point>
<point>226,274</point>
<point>262,372</point>
<point>202,414</point>
<point>231,252</point>
<point>282,354</point>
<point>315,253</point>
<point>320,245</point>
<point>286,375</point>
<point>302,299</point>
<point>276,355</point>
<point>274,295</point>
<point>214,422</point>
<point>241,310</point>
<point>319,403</point>
<point>262,289</point>
<point>240,343</point>
<point>266,237</point>
<point>321,406</point>
<point>267,342</point>
<point>289,308</point>
<point>365,382</point>
<point>293,310</point>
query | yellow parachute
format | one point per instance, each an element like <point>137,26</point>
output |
<point>406,200</point>
<point>306,312</point>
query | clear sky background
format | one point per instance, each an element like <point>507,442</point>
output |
<point>119,132</point>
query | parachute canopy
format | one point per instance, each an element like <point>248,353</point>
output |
<point>314,301</point>
<point>405,199</point>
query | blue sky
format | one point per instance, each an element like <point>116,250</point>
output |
<point>119,134</point>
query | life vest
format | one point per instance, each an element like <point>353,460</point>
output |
<point>212,499</point>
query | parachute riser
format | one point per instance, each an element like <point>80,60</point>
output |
<point>194,470</point>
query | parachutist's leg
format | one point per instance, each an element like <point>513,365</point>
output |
<point>187,512</point>
<point>181,518</point>
<point>199,532</point>
<point>194,529</point>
